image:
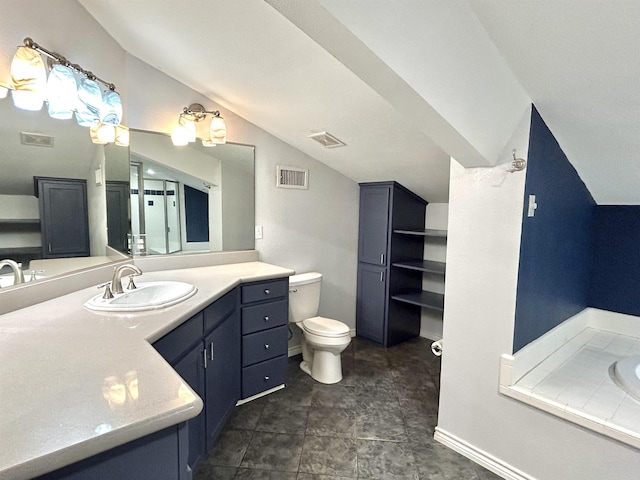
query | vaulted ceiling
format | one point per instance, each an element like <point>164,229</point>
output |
<point>406,84</point>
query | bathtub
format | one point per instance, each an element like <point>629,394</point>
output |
<point>626,374</point>
<point>585,371</point>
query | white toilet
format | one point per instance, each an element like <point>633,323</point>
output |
<point>323,339</point>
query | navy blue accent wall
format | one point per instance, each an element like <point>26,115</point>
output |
<point>196,206</point>
<point>556,246</point>
<point>615,277</point>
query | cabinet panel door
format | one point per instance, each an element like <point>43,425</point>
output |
<point>191,369</point>
<point>64,217</point>
<point>222,374</point>
<point>373,225</point>
<point>371,302</point>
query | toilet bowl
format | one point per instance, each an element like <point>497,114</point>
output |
<point>323,339</point>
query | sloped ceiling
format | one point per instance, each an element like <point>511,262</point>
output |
<point>408,86</point>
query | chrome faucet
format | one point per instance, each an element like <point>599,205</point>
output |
<point>18,276</point>
<point>118,272</point>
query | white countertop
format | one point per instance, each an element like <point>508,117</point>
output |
<point>74,382</point>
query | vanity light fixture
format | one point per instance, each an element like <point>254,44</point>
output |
<point>69,89</point>
<point>185,131</point>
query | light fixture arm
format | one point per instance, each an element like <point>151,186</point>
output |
<point>196,112</point>
<point>28,42</point>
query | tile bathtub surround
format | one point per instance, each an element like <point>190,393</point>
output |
<point>376,424</point>
<point>574,382</point>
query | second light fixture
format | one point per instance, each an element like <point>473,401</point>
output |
<point>185,131</point>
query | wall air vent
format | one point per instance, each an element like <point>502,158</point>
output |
<point>36,139</point>
<point>327,140</point>
<point>292,177</point>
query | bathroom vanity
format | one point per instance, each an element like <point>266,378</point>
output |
<point>139,395</point>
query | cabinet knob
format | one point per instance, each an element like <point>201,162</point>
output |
<point>266,291</point>
<point>266,346</point>
<point>266,378</point>
<point>266,318</point>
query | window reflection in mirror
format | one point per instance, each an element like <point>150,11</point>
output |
<point>190,198</point>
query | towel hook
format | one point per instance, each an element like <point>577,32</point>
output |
<point>517,164</point>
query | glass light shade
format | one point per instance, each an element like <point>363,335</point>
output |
<point>62,92</point>
<point>191,129</point>
<point>206,142</point>
<point>3,91</point>
<point>89,103</point>
<point>29,79</point>
<point>218,130</point>
<point>180,136</point>
<point>111,111</point>
<point>103,133</point>
<point>122,136</point>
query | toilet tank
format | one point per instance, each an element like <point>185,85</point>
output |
<point>304,296</point>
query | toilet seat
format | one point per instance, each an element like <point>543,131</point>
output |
<point>325,327</point>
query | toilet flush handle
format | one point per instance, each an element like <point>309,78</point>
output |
<point>293,290</point>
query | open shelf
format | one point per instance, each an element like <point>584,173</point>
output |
<point>429,232</point>
<point>428,266</point>
<point>434,301</point>
<point>20,221</point>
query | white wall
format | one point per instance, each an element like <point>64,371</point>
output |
<point>238,200</point>
<point>97,204</point>
<point>315,229</point>
<point>485,217</point>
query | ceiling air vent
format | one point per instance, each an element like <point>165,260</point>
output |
<point>292,177</point>
<point>326,139</point>
<point>36,139</point>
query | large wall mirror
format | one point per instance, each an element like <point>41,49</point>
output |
<point>67,204</point>
<point>54,214</point>
<point>190,198</point>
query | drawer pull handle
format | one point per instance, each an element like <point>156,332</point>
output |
<point>266,378</point>
<point>266,291</point>
<point>266,318</point>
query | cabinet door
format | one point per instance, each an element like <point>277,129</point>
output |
<point>374,224</point>
<point>371,302</point>
<point>222,374</point>
<point>191,369</point>
<point>64,219</point>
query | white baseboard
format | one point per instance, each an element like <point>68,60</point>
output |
<point>295,350</point>
<point>430,335</point>
<point>480,457</point>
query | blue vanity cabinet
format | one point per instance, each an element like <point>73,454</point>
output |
<point>386,207</point>
<point>265,335</point>
<point>191,369</point>
<point>158,456</point>
<point>222,357</point>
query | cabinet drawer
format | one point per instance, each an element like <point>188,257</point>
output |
<point>260,346</point>
<point>265,315</point>
<point>179,340</point>
<point>215,313</point>
<point>263,376</point>
<point>265,290</point>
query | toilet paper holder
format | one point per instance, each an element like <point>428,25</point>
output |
<point>436,348</point>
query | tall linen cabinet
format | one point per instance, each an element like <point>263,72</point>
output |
<point>386,207</point>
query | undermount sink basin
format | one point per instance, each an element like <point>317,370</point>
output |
<point>148,296</point>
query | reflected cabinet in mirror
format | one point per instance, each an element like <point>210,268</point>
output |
<point>55,216</point>
<point>190,198</point>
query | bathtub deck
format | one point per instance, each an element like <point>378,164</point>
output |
<point>574,383</point>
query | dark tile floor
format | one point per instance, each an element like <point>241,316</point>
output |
<point>376,424</point>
